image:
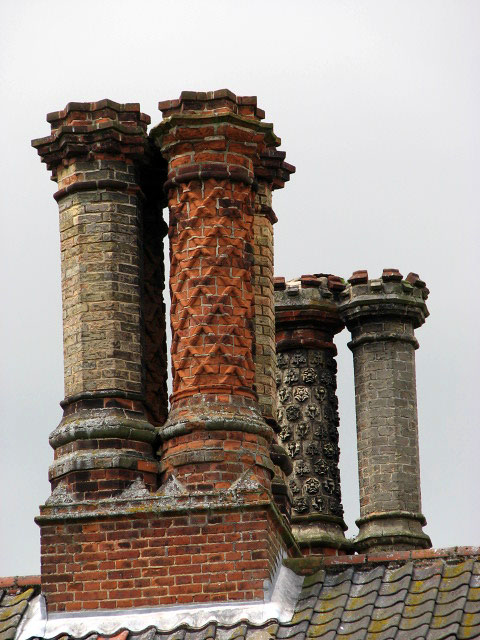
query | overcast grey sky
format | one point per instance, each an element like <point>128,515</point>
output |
<point>377,104</point>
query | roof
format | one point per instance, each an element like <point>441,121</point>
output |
<point>370,598</point>
<point>15,597</point>
<point>434,600</point>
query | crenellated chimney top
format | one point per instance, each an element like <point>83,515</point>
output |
<point>381,315</point>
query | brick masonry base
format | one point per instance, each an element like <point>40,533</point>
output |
<point>149,559</point>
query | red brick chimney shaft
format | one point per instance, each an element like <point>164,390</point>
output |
<point>212,153</point>
<point>213,143</point>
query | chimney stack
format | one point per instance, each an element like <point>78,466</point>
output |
<point>381,315</point>
<point>271,174</point>
<point>216,443</point>
<point>104,443</point>
<point>307,407</point>
<point>111,537</point>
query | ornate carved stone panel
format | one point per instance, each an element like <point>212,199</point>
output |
<point>308,418</point>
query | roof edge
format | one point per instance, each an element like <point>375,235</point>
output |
<point>311,564</point>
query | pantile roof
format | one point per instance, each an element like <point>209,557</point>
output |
<point>15,597</point>
<point>378,597</point>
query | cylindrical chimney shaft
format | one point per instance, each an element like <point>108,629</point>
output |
<point>382,315</point>
<point>271,174</point>
<point>307,407</point>
<point>92,152</point>
<point>213,142</point>
<point>111,232</point>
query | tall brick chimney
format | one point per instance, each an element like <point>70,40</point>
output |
<point>112,538</point>
<point>216,443</point>
<point>98,153</point>
<point>271,174</point>
<point>306,321</point>
<point>382,315</point>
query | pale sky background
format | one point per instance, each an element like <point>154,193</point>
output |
<point>377,104</point>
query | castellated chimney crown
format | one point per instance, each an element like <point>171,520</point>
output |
<point>381,315</point>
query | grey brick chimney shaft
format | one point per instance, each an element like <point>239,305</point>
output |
<point>381,316</point>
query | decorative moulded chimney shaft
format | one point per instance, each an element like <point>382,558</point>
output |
<point>382,315</point>
<point>97,152</point>
<point>216,443</point>
<point>307,407</point>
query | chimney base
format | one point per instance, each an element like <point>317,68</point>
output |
<point>391,531</point>
<point>165,548</point>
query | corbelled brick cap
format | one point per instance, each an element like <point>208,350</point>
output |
<point>388,295</point>
<point>221,99</point>
<point>307,407</point>
<point>232,154</point>
<point>382,315</point>
<point>104,128</point>
<point>273,168</point>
